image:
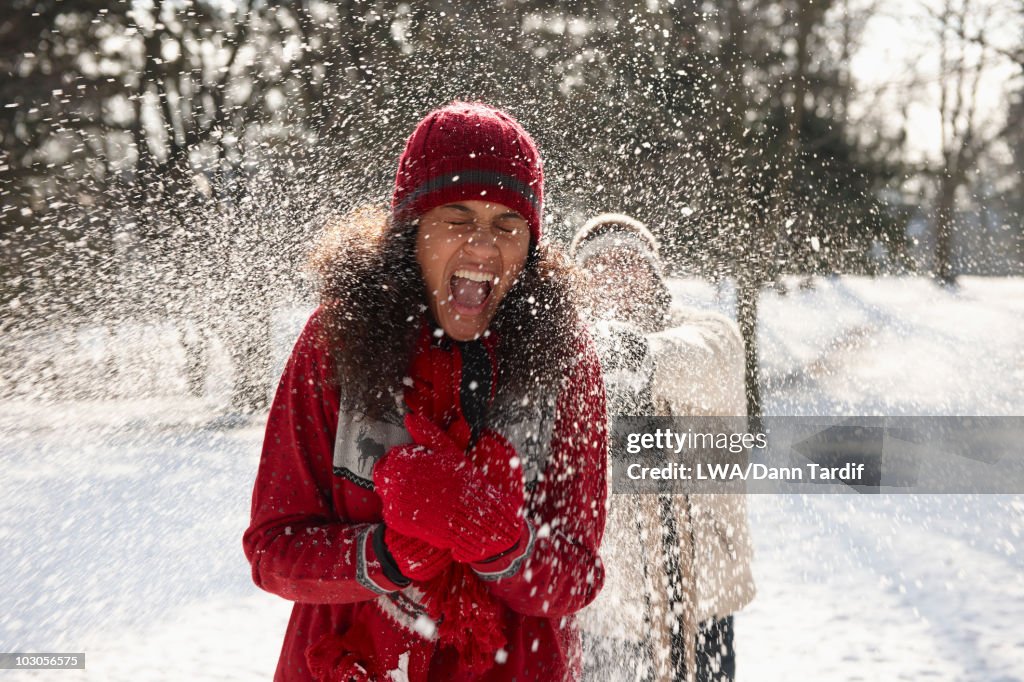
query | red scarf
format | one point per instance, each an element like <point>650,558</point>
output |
<point>469,618</point>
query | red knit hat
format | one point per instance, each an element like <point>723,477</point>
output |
<point>470,150</point>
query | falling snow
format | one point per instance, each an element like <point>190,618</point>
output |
<point>842,179</point>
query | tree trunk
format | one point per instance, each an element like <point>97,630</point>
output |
<point>250,352</point>
<point>944,272</point>
<point>196,360</point>
<point>747,293</point>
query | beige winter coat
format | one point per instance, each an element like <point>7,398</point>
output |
<point>698,371</point>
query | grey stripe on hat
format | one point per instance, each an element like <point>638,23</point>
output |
<point>472,176</point>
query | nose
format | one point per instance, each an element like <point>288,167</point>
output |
<point>482,241</point>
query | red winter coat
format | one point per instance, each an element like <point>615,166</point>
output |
<point>314,509</point>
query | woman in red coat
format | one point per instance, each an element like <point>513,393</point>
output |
<point>431,492</point>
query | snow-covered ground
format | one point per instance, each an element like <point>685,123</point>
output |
<point>121,521</point>
<point>886,587</point>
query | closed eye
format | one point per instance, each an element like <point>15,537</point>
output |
<point>510,224</point>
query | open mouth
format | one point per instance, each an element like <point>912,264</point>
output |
<point>470,291</point>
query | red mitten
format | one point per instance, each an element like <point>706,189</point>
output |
<point>491,519</point>
<point>498,460</point>
<point>436,494</point>
<point>416,487</point>
<point>414,558</point>
<point>486,523</point>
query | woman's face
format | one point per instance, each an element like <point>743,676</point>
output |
<point>625,288</point>
<point>470,254</point>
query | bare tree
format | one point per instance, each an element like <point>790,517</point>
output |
<point>967,56</point>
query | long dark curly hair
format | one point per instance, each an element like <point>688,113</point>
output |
<point>374,301</point>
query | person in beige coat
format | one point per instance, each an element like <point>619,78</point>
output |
<point>677,566</point>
